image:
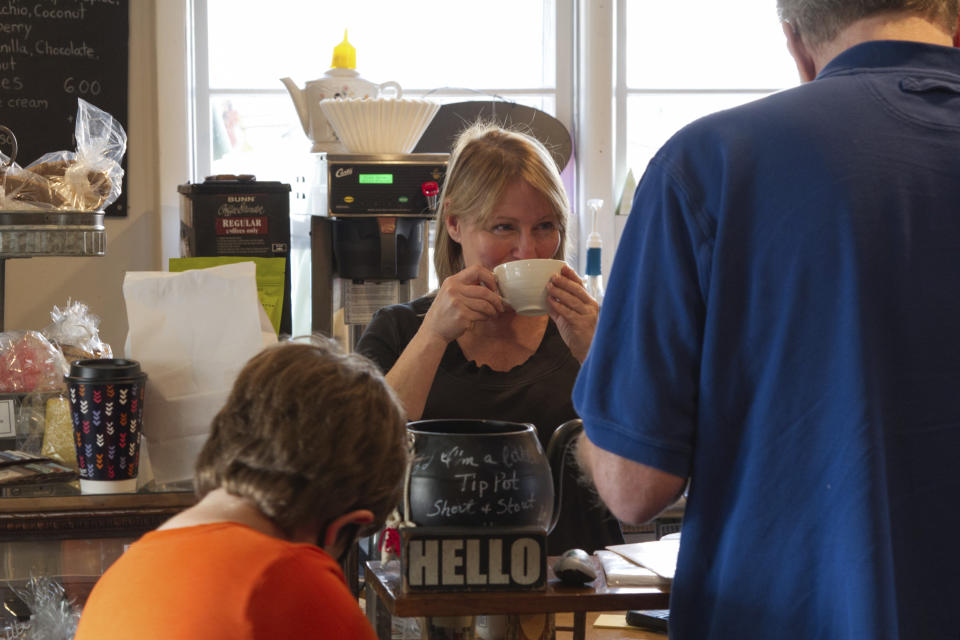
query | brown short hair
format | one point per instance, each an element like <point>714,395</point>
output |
<point>821,21</point>
<point>486,159</point>
<point>308,433</point>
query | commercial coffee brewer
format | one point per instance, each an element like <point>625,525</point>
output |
<point>369,236</point>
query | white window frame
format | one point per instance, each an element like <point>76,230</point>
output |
<point>595,141</point>
<point>622,93</point>
<point>176,159</point>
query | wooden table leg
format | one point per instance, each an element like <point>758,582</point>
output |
<point>579,625</point>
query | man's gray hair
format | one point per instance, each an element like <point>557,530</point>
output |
<point>820,21</point>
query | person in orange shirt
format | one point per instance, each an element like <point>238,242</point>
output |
<point>308,453</point>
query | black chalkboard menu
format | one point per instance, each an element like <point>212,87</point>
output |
<point>51,53</point>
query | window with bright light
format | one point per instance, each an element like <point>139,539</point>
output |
<point>687,59</point>
<point>447,51</point>
<point>679,61</point>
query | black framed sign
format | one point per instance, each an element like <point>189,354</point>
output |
<point>53,52</point>
<point>473,559</point>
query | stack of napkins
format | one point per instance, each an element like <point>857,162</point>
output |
<point>641,563</point>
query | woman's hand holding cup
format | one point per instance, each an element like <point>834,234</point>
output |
<point>464,298</point>
<point>573,310</point>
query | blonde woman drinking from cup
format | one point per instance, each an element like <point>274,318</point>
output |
<point>462,352</point>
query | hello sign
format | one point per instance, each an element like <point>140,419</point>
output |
<point>488,559</point>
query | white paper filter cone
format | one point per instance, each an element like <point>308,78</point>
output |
<point>382,135</point>
<point>383,125</point>
<point>370,126</point>
<point>396,128</point>
<point>391,127</point>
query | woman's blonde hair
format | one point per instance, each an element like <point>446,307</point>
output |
<point>486,159</point>
<point>308,434</point>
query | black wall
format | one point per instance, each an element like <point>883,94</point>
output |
<point>51,53</point>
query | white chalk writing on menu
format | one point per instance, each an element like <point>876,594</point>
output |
<point>51,53</point>
<point>487,484</point>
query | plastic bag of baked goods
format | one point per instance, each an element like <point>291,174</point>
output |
<point>32,420</point>
<point>88,179</point>
<point>75,330</point>
<point>29,362</point>
<point>44,427</point>
<point>57,438</point>
<point>25,190</point>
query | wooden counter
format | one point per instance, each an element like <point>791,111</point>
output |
<point>71,515</point>
<point>384,599</point>
<point>54,531</point>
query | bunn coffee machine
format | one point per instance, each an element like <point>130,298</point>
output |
<point>369,236</point>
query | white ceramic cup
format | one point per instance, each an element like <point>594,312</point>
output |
<point>523,284</point>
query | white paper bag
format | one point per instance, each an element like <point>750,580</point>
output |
<point>191,332</point>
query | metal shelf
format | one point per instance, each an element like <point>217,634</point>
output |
<point>28,234</point>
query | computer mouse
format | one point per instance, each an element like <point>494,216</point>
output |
<point>574,567</point>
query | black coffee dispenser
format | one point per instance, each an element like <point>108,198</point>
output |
<point>380,248</point>
<point>369,236</point>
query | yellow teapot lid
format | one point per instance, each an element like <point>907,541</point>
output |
<point>344,55</point>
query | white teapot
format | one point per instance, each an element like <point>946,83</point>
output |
<point>341,81</point>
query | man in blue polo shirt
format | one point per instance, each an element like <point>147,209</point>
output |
<point>782,328</point>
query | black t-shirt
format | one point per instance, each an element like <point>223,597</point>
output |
<point>537,391</point>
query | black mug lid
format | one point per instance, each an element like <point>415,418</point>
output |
<point>105,369</point>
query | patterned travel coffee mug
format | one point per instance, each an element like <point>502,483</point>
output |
<point>106,407</point>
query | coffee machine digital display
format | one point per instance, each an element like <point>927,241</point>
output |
<point>370,235</point>
<point>376,178</point>
<point>371,185</point>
